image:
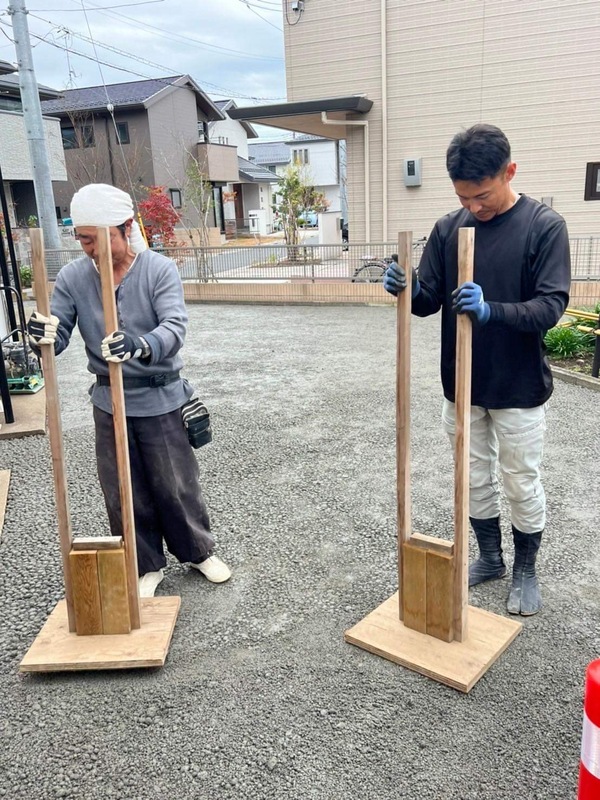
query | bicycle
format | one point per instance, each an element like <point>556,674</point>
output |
<point>373,269</point>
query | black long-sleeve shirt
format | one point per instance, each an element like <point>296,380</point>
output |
<point>523,265</point>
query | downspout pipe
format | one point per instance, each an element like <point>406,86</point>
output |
<point>384,121</point>
<point>362,123</point>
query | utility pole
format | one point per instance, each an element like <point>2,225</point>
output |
<point>34,126</point>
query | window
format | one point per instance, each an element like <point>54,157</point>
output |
<point>202,132</point>
<point>300,157</point>
<point>82,136</point>
<point>123,132</point>
<point>175,195</point>
<point>592,181</point>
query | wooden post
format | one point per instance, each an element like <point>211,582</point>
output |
<point>40,277</point>
<point>466,246</point>
<point>120,425</point>
<point>403,408</point>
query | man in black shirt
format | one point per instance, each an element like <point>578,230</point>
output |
<point>521,288</point>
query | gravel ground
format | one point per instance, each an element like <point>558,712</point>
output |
<point>260,696</point>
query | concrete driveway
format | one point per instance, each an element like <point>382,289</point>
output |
<point>260,696</point>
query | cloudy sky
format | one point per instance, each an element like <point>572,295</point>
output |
<point>232,48</point>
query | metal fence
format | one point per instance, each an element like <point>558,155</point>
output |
<point>305,262</point>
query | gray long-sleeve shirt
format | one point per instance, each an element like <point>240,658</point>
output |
<point>149,304</point>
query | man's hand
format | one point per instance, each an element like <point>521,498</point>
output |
<point>41,329</point>
<point>468,299</point>
<point>120,346</point>
<point>394,280</point>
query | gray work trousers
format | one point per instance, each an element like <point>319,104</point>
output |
<point>167,500</point>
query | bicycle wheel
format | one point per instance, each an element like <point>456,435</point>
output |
<point>370,273</point>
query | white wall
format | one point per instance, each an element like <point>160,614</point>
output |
<point>231,132</point>
<point>14,150</point>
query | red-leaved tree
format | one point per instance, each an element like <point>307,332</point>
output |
<point>159,216</point>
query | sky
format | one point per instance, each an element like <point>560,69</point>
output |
<point>231,48</point>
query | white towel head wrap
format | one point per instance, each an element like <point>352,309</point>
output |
<point>100,204</point>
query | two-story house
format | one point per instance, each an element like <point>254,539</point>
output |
<point>248,201</point>
<point>17,171</point>
<point>147,133</point>
<point>410,75</point>
<point>318,156</point>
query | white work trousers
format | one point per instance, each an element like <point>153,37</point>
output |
<point>511,438</point>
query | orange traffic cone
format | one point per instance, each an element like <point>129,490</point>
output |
<point>589,766</point>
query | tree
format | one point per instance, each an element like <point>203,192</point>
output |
<point>159,216</point>
<point>296,196</point>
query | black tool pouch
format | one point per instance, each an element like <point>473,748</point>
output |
<point>197,422</point>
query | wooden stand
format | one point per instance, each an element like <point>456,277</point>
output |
<point>428,625</point>
<point>99,625</point>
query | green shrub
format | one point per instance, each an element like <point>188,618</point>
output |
<point>26,276</point>
<point>568,342</point>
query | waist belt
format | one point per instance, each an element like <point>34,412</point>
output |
<point>162,379</point>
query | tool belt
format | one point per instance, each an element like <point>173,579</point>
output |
<point>161,379</point>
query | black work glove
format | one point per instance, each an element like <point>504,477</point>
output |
<point>119,346</point>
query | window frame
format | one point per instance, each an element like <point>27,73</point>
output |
<point>592,181</point>
<point>172,194</point>
<point>122,139</point>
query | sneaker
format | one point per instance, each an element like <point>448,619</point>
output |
<point>213,569</point>
<point>149,582</point>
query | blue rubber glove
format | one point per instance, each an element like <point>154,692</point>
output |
<point>394,280</point>
<point>468,299</point>
<point>120,346</point>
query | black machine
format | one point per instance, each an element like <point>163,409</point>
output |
<point>20,370</point>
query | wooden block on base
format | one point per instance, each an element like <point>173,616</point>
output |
<point>114,600</point>
<point>456,664</point>
<point>55,649</point>
<point>86,592</point>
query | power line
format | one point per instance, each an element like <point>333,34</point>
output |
<point>182,37</point>
<point>219,89</point>
<point>251,8</point>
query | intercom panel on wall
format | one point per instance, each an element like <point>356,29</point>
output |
<point>412,171</point>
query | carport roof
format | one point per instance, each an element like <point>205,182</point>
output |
<point>305,115</point>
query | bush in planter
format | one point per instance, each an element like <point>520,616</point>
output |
<point>26,275</point>
<point>568,342</point>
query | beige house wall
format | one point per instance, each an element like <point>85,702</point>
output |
<point>531,68</point>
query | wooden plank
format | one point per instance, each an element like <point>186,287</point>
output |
<point>97,542</point>
<point>466,245</point>
<point>456,664</point>
<point>120,425</point>
<point>4,484</point>
<point>54,422</point>
<point>30,416</point>
<point>414,581</point>
<point>86,592</point>
<point>440,582</point>
<point>114,602</point>
<point>443,546</point>
<point>403,312</point>
<point>55,649</point>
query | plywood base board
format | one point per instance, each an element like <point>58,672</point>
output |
<point>457,664</point>
<point>55,649</point>
<point>4,481</point>
<point>29,411</point>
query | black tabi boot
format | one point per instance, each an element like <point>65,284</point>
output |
<point>524,597</point>
<point>489,565</point>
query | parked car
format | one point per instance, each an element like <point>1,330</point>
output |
<point>308,219</point>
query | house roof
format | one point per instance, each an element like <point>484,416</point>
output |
<point>9,84</point>
<point>269,153</point>
<point>133,93</point>
<point>308,116</point>
<point>305,137</point>
<point>254,173</point>
<point>225,105</point>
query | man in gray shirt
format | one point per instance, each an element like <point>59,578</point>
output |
<point>152,318</point>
